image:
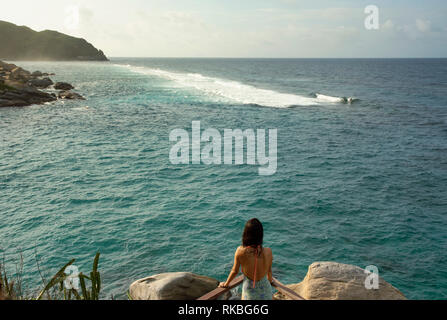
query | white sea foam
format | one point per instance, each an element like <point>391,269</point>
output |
<point>322,97</point>
<point>233,90</point>
<point>85,108</point>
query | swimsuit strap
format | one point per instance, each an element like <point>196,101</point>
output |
<point>256,265</point>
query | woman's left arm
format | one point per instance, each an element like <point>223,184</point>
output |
<point>234,271</point>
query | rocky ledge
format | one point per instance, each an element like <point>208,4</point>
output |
<point>172,286</point>
<point>324,281</point>
<point>20,88</point>
<point>337,281</point>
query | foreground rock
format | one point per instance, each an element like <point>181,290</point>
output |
<point>172,286</point>
<point>336,281</point>
<point>16,94</point>
<point>19,87</point>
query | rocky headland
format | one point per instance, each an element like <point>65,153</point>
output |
<point>20,88</point>
<point>324,281</point>
<point>23,43</point>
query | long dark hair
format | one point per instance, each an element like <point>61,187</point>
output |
<point>253,235</point>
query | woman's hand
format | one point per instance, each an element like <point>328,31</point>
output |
<point>223,285</point>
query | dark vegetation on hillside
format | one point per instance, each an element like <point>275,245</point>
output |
<point>22,43</point>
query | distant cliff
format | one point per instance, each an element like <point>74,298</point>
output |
<point>22,43</point>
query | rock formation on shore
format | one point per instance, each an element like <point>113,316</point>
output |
<point>63,86</point>
<point>22,43</point>
<point>20,88</point>
<point>172,286</point>
<point>324,281</point>
<point>70,95</point>
<point>336,281</point>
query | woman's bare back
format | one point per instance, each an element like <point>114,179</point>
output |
<point>247,259</point>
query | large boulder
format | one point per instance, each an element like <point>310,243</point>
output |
<point>40,83</point>
<point>336,281</point>
<point>172,286</point>
<point>37,74</point>
<point>63,86</point>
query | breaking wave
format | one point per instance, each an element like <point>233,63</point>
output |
<point>236,91</point>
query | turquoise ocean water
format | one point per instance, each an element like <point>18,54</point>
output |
<point>362,183</point>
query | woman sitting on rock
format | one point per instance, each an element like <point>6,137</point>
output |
<point>256,263</point>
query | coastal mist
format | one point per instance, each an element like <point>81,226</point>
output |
<point>361,174</point>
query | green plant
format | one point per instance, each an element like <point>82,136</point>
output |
<point>6,288</point>
<point>86,293</point>
<point>95,279</point>
<point>9,288</point>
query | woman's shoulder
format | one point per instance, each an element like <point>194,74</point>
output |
<point>240,250</point>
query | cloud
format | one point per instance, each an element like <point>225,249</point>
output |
<point>388,25</point>
<point>86,15</point>
<point>416,30</point>
<point>265,32</point>
<point>423,25</point>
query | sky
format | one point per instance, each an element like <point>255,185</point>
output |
<point>243,28</point>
